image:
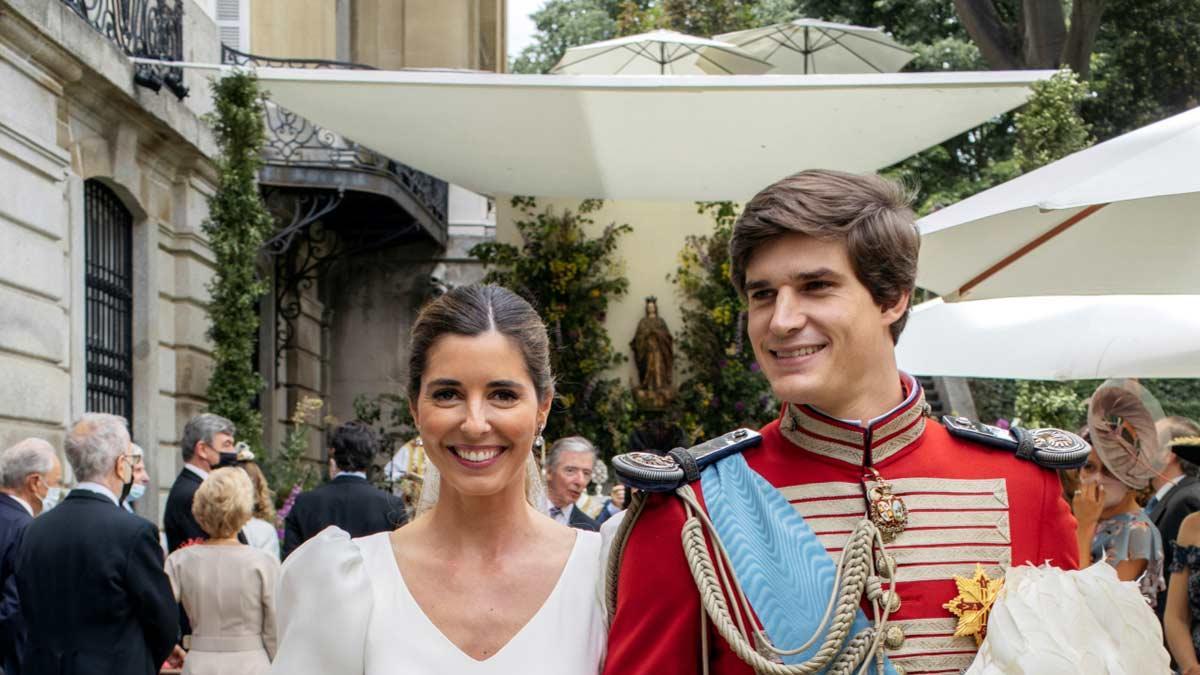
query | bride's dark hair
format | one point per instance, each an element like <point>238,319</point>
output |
<point>474,310</point>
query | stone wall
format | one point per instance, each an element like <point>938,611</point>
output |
<point>70,113</point>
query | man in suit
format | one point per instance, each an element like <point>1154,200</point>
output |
<point>1177,492</point>
<point>569,465</point>
<point>205,439</point>
<point>90,575</point>
<point>348,501</point>
<point>30,476</point>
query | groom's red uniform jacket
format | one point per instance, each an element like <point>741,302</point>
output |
<point>968,504</point>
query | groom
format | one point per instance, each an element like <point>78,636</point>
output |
<point>827,262</point>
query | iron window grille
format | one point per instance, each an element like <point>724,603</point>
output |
<point>108,285</point>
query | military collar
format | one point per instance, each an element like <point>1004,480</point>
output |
<point>845,440</point>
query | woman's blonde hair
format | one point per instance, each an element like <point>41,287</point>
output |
<point>224,502</point>
<point>264,499</point>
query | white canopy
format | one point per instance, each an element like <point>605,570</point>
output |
<point>815,46</point>
<point>669,138</point>
<point>659,52</point>
<point>1119,217</point>
<point>1055,338</point>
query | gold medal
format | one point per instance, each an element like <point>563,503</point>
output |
<point>973,603</point>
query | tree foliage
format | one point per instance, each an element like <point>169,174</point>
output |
<point>571,278</point>
<point>237,225</point>
<point>723,388</point>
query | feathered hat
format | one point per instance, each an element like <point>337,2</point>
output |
<point>1121,417</point>
<point>1187,447</point>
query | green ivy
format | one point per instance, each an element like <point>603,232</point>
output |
<point>237,225</point>
<point>571,278</point>
<point>1050,127</point>
<point>723,388</point>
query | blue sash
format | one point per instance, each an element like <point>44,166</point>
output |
<point>784,569</point>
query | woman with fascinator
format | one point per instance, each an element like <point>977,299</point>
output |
<point>1125,455</point>
<point>481,581</point>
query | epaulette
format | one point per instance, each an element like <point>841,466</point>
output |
<point>1050,448</point>
<point>664,473</point>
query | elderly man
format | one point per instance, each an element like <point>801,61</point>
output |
<point>569,466</point>
<point>141,478</point>
<point>90,576</point>
<point>30,473</point>
<point>206,439</point>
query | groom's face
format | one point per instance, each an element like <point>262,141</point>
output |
<point>816,331</point>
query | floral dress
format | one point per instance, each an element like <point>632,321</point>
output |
<point>1187,559</point>
<point>1132,536</point>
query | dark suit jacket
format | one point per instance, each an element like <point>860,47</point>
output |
<point>580,520</point>
<point>349,502</point>
<point>1167,515</point>
<point>178,521</point>
<point>93,591</point>
<point>13,519</point>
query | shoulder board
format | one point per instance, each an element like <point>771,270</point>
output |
<point>1050,448</point>
<point>664,473</point>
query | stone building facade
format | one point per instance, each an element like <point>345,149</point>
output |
<point>103,266</point>
<point>105,174</point>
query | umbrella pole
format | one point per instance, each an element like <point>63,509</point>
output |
<point>966,288</point>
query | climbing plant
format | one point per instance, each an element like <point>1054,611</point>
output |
<point>237,225</point>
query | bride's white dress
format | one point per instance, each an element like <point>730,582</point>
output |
<point>343,608</point>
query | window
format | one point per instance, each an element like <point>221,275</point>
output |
<point>108,284</point>
<point>233,24</point>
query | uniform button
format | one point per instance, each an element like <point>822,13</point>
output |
<point>885,565</point>
<point>893,601</point>
<point>899,670</point>
<point>894,639</point>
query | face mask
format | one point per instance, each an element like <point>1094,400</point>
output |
<point>136,492</point>
<point>52,498</point>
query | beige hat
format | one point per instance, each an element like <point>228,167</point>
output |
<point>1121,417</point>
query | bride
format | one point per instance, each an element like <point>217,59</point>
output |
<point>480,582</point>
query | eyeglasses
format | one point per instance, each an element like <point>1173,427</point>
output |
<point>135,460</point>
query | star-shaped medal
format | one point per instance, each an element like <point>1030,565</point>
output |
<point>973,603</point>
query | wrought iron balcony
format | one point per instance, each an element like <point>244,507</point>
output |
<point>150,29</point>
<point>293,141</point>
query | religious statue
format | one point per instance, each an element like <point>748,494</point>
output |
<point>653,353</point>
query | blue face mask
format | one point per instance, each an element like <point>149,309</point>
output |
<point>136,492</point>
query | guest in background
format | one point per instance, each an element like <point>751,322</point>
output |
<point>205,438</point>
<point>90,576</point>
<point>348,501</point>
<point>226,587</point>
<point>569,466</point>
<point>30,475</point>
<point>1177,488</point>
<point>260,530</point>
<point>1183,588</point>
<point>1125,454</point>
<point>141,478</point>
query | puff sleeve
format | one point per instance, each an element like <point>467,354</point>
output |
<point>323,604</point>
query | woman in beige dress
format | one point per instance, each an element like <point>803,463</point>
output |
<point>226,587</point>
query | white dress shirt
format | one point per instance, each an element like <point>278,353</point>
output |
<point>22,502</point>
<point>98,489</point>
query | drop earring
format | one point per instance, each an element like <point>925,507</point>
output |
<point>539,444</point>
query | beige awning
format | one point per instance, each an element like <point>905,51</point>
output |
<point>673,138</point>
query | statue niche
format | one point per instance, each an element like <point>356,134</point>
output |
<point>654,354</point>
